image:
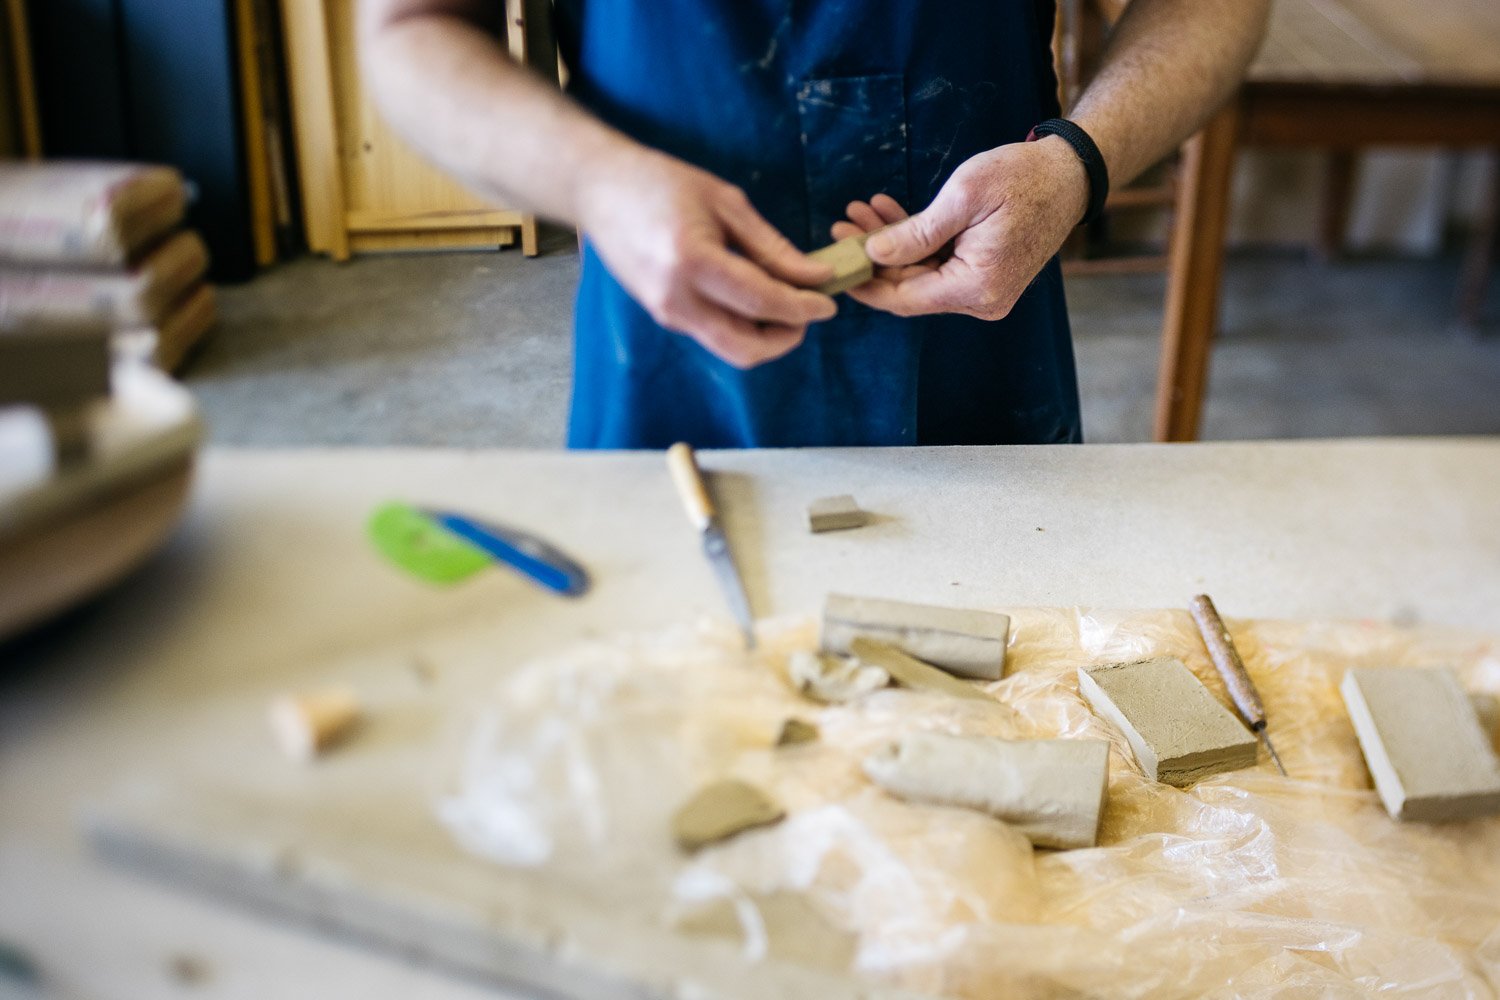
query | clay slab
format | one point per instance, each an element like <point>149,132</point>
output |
<point>1053,791</point>
<point>1423,743</point>
<point>1179,731</point>
<point>963,642</point>
<point>835,514</point>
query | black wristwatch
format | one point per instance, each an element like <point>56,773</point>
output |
<point>1088,152</point>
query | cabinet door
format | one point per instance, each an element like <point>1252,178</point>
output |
<point>363,188</point>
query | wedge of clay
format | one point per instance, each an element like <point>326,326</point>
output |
<point>719,811</point>
<point>1052,791</point>
<point>963,642</point>
<point>307,724</point>
<point>908,671</point>
<point>833,679</point>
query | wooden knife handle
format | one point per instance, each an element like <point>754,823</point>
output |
<point>1227,660</point>
<point>688,479</point>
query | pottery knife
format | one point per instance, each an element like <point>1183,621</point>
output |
<point>688,479</point>
<point>1231,668</point>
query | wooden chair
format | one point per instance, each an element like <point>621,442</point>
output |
<point>1082,28</point>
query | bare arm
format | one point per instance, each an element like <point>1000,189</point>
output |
<point>1003,214</point>
<point>665,229</point>
<point>1168,67</point>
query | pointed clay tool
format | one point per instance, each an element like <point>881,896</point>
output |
<point>686,476</point>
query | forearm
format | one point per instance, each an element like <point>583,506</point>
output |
<point>451,90</point>
<point>1168,66</point>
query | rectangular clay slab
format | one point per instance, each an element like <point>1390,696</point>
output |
<point>835,514</point>
<point>1423,743</point>
<point>963,642</point>
<point>1179,731</point>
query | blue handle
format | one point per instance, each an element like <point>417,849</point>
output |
<point>564,580</point>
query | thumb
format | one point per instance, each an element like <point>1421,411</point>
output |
<point>919,237</point>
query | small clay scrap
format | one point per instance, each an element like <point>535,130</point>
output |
<point>962,642</point>
<point>794,731</point>
<point>1423,743</point>
<point>1487,707</point>
<point>852,267</point>
<point>834,679</point>
<point>721,810</point>
<point>911,672</point>
<point>1053,791</point>
<point>1179,731</point>
<point>835,514</point>
<point>307,724</point>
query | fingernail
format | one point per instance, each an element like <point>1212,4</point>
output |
<point>880,244</point>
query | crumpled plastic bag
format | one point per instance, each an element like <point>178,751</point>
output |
<point>1245,885</point>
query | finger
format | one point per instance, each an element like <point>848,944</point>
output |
<point>888,208</point>
<point>732,338</point>
<point>924,234</point>
<point>738,284</point>
<point>863,216</point>
<point>844,230</point>
<point>762,243</point>
<point>947,289</point>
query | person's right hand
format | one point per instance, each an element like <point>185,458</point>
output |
<point>668,233</point>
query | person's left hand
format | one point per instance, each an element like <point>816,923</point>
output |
<point>990,230</point>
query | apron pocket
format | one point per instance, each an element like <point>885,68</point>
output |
<point>853,145</point>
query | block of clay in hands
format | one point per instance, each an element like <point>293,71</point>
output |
<point>1179,731</point>
<point>851,265</point>
<point>307,724</point>
<point>1053,791</point>
<point>1423,742</point>
<point>963,642</point>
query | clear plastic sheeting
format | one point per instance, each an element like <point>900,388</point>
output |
<point>1245,885</point>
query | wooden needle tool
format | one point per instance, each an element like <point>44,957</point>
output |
<point>1236,678</point>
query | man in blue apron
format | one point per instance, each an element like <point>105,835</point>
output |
<point>705,144</point>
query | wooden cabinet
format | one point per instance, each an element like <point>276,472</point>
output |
<point>363,188</point>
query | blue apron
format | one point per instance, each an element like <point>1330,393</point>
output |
<point>807,105</point>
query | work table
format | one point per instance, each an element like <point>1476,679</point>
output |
<point>271,571</point>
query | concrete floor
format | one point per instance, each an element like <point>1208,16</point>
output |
<point>473,350</point>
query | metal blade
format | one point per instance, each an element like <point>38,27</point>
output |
<point>716,547</point>
<point>1270,749</point>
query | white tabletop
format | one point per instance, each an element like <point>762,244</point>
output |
<point>272,567</point>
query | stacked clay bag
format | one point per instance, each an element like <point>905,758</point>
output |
<point>84,241</point>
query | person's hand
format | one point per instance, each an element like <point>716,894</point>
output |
<point>669,233</point>
<point>990,230</point>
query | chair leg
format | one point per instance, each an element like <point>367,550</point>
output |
<point>1479,258</point>
<point>1197,267</point>
<point>1338,192</point>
